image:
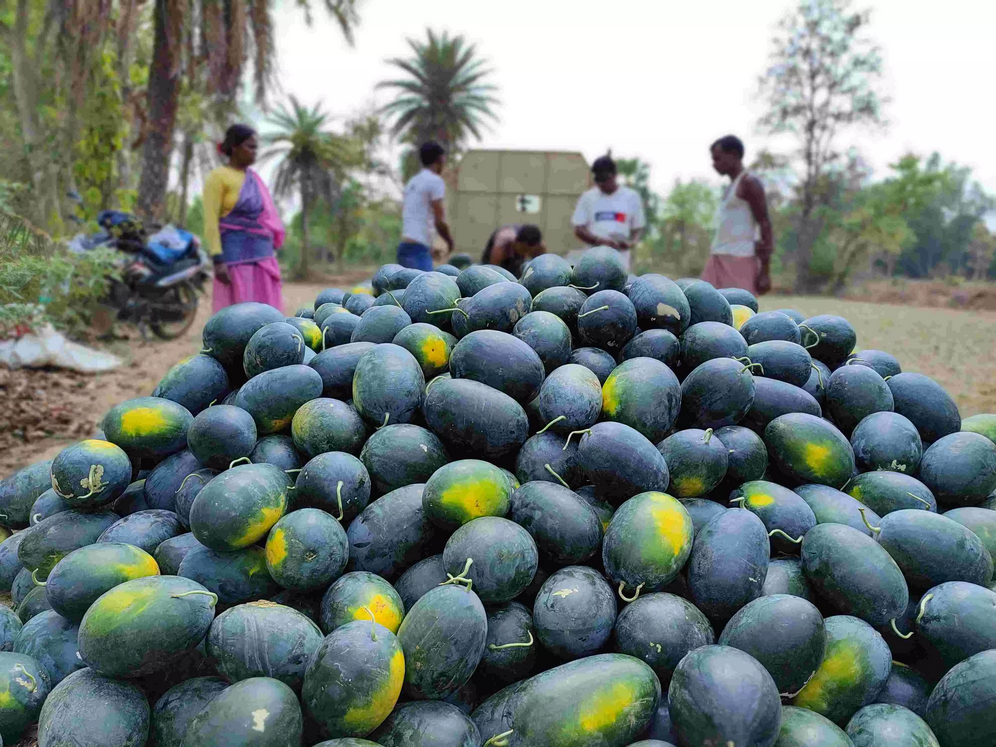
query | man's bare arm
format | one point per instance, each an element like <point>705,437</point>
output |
<point>442,228</point>
<point>752,191</point>
<point>591,239</point>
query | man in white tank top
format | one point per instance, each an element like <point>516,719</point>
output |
<point>741,252</point>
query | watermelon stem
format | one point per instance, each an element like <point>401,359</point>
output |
<point>296,469</point>
<point>324,330</point>
<point>874,530</point>
<point>904,636</point>
<point>750,366</point>
<point>583,287</point>
<point>887,377</point>
<point>207,351</point>
<point>496,647</point>
<point>913,495</point>
<point>387,417</point>
<point>600,308</point>
<point>34,683</point>
<point>555,420</point>
<point>214,597</point>
<point>434,380</point>
<point>786,536</point>
<point>742,359</point>
<point>819,375</point>
<point>195,473</point>
<point>815,333</point>
<point>708,436</point>
<point>923,607</point>
<point>245,459</point>
<point>741,500</point>
<point>549,469</point>
<point>338,497</point>
<point>571,434</point>
<point>462,578</point>
<point>393,298</point>
<point>499,740</point>
<point>34,577</point>
<point>212,403</point>
<point>445,311</point>
<point>34,518</point>
<point>636,594</point>
<point>373,621</point>
<point>855,360</point>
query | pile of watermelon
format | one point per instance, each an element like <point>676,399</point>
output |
<point>462,509</point>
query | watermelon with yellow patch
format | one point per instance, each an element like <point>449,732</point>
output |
<point>310,332</point>
<point>786,516</point>
<point>430,346</point>
<point>85,574</point>
<point>324,425</point>
<point>854,670</point>
<point>91,473</point>
<point>24,686</point>
<point>423,723</point>
<point>238,507</point>
<point>465,490</point>
<point>808,449</point>
<point>50,540</point>
<point>608,699</point>
<point>143,625</point>
<point>354,679</point>
<point>647,543</point>
<point>644,394</point>
<point>355,596</point>
<point>306,550</point>
<point>741,314</point>
<point>696,460</point>
<point>194,382</point>
<point>273,397</point>
<point>148,427</point>
<point>236,577</point>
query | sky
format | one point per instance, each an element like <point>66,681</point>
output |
<point>660,79</point>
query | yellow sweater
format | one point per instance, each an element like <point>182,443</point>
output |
<point>221,192</point>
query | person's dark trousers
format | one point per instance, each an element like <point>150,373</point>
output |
<point>415,256</point>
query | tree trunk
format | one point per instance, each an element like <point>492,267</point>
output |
<point>188,156</point>
<point>805,242</point>
<point>126,56</point>
<point>302,267</point>
<point>163,98</point>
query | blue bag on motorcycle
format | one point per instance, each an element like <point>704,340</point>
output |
<point>169,244</point>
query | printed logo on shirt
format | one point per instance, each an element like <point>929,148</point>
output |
<point>608,215</point>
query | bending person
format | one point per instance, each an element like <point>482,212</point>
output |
<point>510,247</point>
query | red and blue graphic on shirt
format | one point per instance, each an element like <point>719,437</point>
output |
<point>609,216</point>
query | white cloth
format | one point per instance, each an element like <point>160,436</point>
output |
<point>736,229</point>
<point>46,347</point>
<point>416,214</point>
<point>613,216</point>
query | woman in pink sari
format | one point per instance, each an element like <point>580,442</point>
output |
<point>242,230</point>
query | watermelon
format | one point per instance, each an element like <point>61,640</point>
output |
<point>85,574</point>
<point>816,385</point>
<point>598,269</point>
<point>884,364</point>
<point>188,491</point>
<point>804,728</point>
<point>449,269</point>
<point>782,360</point>
<point>499,360</point>
<point>50,639</point>
<point>278,451</point>
<point>981,521</point>
<point>428,294</point>
<point>548,335</point>
<point>574,612</point>
<point>90,474</point>
<point>49,541</point>
<point>476,278</point>
<point>785,576</point>
<point>957,620</point>
<point>510,650</point>
<point>654,343</point>
<point>926,404</point>
<point>883,724</point>
<point>171,553</point>
<point>430,346</point>
<point>19,491</point>
<point>10,565</point>
<point>697,461</point>
<point>260,711</point>
<point>425,723</point>
<point>237,508</point>
<point>595,360</point>
<point>855,392</point>
<point>570,399</point>
<point>661,629</point>
<point>620,462</point>
<point>195,383</point>
<point>906,688</point>
<point>796,316</point>
<point>563,301</point>
<point>10,626</point>
<point>740,296</point>
<point>147,427</point>
<point>339,328</point>
<point>306,550</point>
<point>34,603</point>
<point>381,279</point>
<point>324,425</point>
<point>272,346</point>
<point>884,492</point>
<point>886,441</point>
<point>87,708</point>
<point>165,479</point>
<point>984,425</point>
<point>335,295</point>
<point>498,307</point>
<point>546,271</point>
<point>786,516</point>
<point>227,333</point>
<point>400,455</point>
<point>962,706</point>
<point>262,639</point>
<point>807,449</point>
<point>828,338</point>
<point>335,482</point>
<point>393,297</point>
<point>220,435</point>
<point>701,511</point>
<point>309,330</point>
<point>660,304</point>
<point>465,490</point>
<point>325,311</point>
<point>959,469</point>
<point>380,324</point>
<point>236,577</point>
<point>50,503</point>
<point>607,320</point>
<point>770,325</point>
<point>644,394</point>
<point>740,315</point>
<point>773,398</point>
<point>728,563</point>
<point>22,584</point>
<point>273,397</point>
<point>707,340</point>
<point>391,533</point>
<point>387,385</point>
<point>403,277</point>
<point>495,557</point>
<point>426,574</point>
<point>174,711</point>
<point>358,303</point>
<point>545,458</point>
<point>131,501</point>
<point>443,637</point>
<point>647,543</point>
<point>567,531</point>
<point>471,417</point>
<point>831,506</point>
<point>720,695</point>
<point>355,596</point>
<point>717,393</point>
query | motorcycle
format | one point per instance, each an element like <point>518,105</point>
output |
<point>161,275</point>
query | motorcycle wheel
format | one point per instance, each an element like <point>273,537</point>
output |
<point>182,297</point>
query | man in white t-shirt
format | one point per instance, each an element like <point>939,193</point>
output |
<point>609,214</point>
<point>423,208</point>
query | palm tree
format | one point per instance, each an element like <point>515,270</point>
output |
<point>314,161</point>
<point>444,95</point>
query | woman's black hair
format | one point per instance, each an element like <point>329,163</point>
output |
<point>529,235</point>
<point>234,137</point>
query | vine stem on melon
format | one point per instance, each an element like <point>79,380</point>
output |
<point>915,496</point>
<point>622,595</point>
<point>555,420</point>
<point>462,578</point>
<point>393,298</point>
<point>338,497</point>
<point>814,332</point>
<point>245,459</point>
<point>750,366</point>
<point>600,308</point>
<point>786,536</point>
<point>450,310</point>
<point>214,597</point>
<point>34,577</point>
<point>904,636</point>
<point>324,330</point>
<point>373,622</point>
<point>387,416</point>
<point>550,469</point>
<point>195,473</point>
<point>923,607</point>
<point>496,647</point>
<point>819,375</point>
<point>499,740</point>
<point>708,436</point>
<point>584,287</point>
<point>34,518</point>
<point>855,360</point>
<point>434,380</point>
<point>571,434</point>
<point>93,482</point>
<point>875,530</point>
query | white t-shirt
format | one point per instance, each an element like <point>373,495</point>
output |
<point>416,214</point>
<point>613,216</point>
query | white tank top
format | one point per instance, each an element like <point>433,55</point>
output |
<point>736,229</point>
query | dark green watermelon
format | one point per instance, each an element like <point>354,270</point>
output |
<point>548,335</point>
<point>195,382</point>
<point>957,619</point>
<point>476,278</point>
<point>570,399</point>
<point>430,345</point>
<point>171,553</point>
<point>227,333</point>
<point>497,557</point>
<point>188,491</point>
<point>831,506</point>
<point>566,529</point>
<point>391,533</point>
<point>339,327</point>
<point>546,271</point>
<point>510,648</point>
<point>325,311</point>
<point>422,577</point>
<point>220,435</point>
<point>472,417</point>
<point>448,269</point>
<point>707,304</point>
<point>661,629</point>
<point>10,564</point>
<point>306,550</point>
<point>22,584</point>
<point>236,577</point>
<point>311,333</point>
<point>49,541</point>
<point>574,612</point>
<point>654,343</point>
<point>961,707</point>
<point>273,397</point>
<point>403,277</point>
<point>740,296</point>
<point>278,451</point>
<point>701,511</point>
<point>785,576</point>
<point>595,360</point>
<point>707,340</point>
<point>828,338</point>
<point>607,320</point>
<point>808,449</point>
<point>355,596</point>
<point>620,462</point>
<point>499,360</point>
<point>322,425</point>
<point>91,473</point>
<point>429,293</point>
<point>381,279</point>
<point>260,711</point>
<point>599,269</point>
<point>816,385</point>
<point>174,711</point>
<point>51,640</point>
<point>380,324</point>
<point>959,469</point>
<point>394,297</point>
<point>50,503</point>
<point>388,385</point>
<point>770,325</point>
<point>336,295</point>
<point>721,695</point>
<point>19,491</point>
<point>143,529</point>
<point>696,460</point>
<point>981,521</point>
<point>885,364</point>
<point>10,626</point>
<point>786,516</point>
<point>983,424</point>
<point>400,455</point>
<point>87,708</point>
<point>804,728</point>
<point>884,492</point>
<point>335,482</point>
<point>131,501</point>
<point>272,346</point>
<point>237,508</point>
<point>644,394</point>
<point>546,458</point>
<point>728,563</point>
<point>782,360</point>
<point>498,306</point>
<point>926,404</point>
<point>886,441</point>
<point>747,456</point>
<point>907,688</point>
<point>717,393</point>
<point>660,304</point>
<point>885,723</point>
<point>855,392</point>
<point>774,398</point>
<point>34,603</point>
<point>165,479</point>
<point>426,723</point>
<point>562,301</point>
